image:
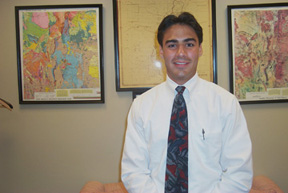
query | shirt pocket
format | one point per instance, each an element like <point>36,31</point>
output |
<point>208,144</point>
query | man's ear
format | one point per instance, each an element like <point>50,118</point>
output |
<point>200,50</point>
<point>161,51</point>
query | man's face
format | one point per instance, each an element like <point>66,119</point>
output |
<point>180,52</point>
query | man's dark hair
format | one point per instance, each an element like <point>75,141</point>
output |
<point>184,18</point>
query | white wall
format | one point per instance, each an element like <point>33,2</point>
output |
<point>57,148</point>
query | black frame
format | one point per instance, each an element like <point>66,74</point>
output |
<point>80,93</point>
<point>137,90</point>
<point>256,96</point>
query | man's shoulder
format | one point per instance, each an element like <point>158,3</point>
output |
<point>216,93</point>
<point>155,95</point>
<point>152,92</point>
<point>213,87</point>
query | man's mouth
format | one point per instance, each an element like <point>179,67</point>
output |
<point>181,63</point>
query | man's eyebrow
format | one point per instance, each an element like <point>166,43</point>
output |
<point>190,39</point>
<point>185,40</point>
<point>171,41</point>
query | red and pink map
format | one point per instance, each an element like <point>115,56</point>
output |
<point>260,54</point>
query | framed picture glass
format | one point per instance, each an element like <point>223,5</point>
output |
<point>60,54</point>
<point>258,39</point>
<point>138,63</point>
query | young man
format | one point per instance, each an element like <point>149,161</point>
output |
<point>219,145</point>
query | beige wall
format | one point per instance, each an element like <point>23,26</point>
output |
<point>57,148</point>
<point>267,123</point>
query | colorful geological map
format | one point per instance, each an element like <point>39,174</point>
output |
<point>60,55</point>
<point>260,54</point>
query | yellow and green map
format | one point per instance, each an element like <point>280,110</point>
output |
<point>60,55</point>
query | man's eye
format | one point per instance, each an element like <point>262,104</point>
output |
<point>171,45</point>
<point>189,44</point>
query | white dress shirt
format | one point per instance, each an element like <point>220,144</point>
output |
<point>219,144</point>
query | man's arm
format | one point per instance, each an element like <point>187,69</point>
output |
<point>135,172</point>
<point>236,156</point>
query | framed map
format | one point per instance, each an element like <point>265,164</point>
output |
<point>138,63</point>
<point>60,54</point>
<point>259,53</point>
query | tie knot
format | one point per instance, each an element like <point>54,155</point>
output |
<point>180,89</point>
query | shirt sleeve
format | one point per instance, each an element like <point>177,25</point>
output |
<point>135,173</point>
<point>236,156</point>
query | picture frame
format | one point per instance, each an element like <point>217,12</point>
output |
<point>60,54</point>
<point>138,65</point>
<point>258,38</point>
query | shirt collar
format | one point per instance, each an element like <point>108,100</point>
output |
<point>190,84</point>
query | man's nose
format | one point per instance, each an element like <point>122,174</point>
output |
<point>181,50</point>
